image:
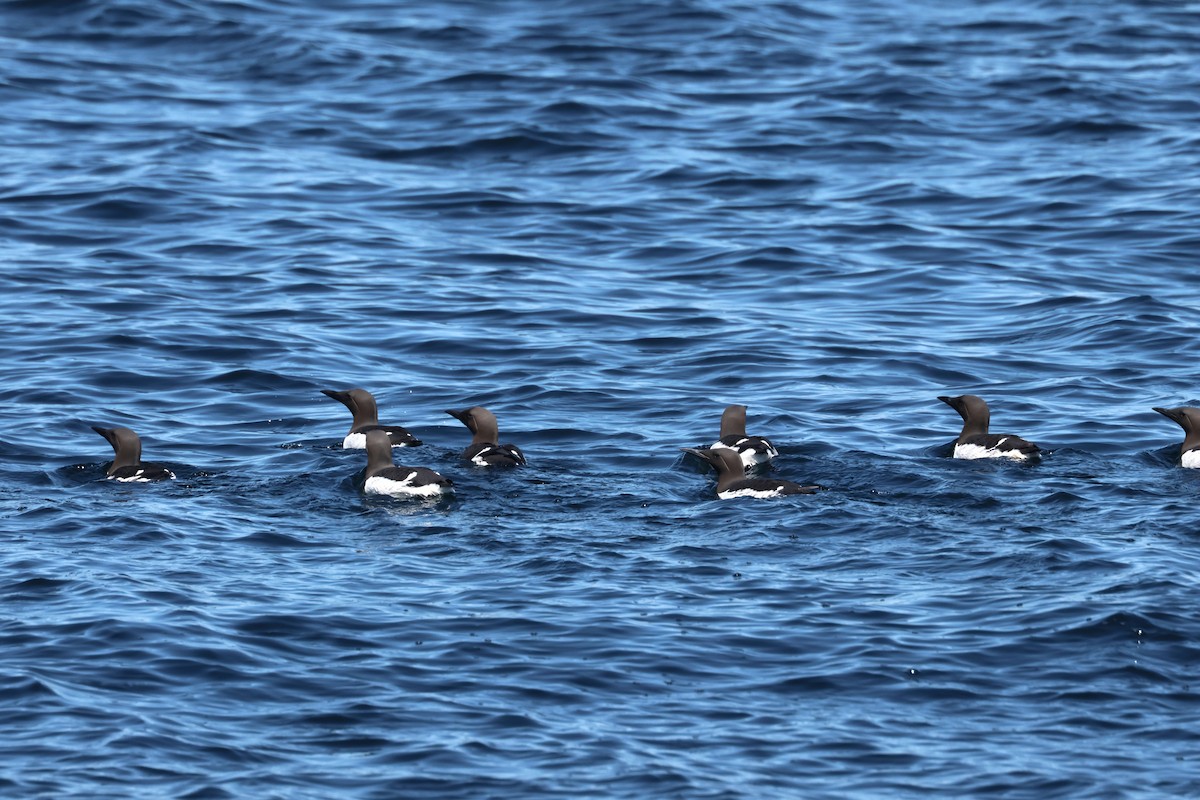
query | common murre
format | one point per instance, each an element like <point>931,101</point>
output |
<point>975,442</point>
<point>732,481</point>
<point>1187,418</point>
<point>753,450</point>
<point>366,418</point>
<point>384,476</point>
<point>127,463</point>
<point>484,450</point>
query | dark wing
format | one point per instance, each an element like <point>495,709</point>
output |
<point>1001,442</point>
<point>513,452</point>
<point>495,455</point>
<point>413,476</point>
<point>400,436</point>
<point>757,444</point>
<point>796,488</point>
<point>142,472</point>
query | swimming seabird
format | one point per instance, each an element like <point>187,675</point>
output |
<point>1188,418</point>
<point>384,476</point>
<point>753,450</point>
<point>127,463</point>
<point>732,481</point>
<point>366,418</point>
<point>484,449</point>
<point>976,442</point>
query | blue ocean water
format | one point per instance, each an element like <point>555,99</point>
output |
<point>604,221</point>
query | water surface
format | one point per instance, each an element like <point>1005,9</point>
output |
<point>605,222</point>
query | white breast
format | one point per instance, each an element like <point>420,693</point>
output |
<point>404,488</point>
<point>761,494</point>
<point>1191,459</point>
<point>358,441</point>
<point>973,451</point>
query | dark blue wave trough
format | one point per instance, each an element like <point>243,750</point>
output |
<point>605,222</point>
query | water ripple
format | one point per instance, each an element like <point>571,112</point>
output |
<point>605,223</point>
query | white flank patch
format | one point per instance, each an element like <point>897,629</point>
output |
<point>750,457</point>
<point>480,458</point>
<point>1191,459</point>
<point>404,488</point>
<point>973,451</point>
<point>358,441</point>
<point>759,493</point>
<point>139,477</point>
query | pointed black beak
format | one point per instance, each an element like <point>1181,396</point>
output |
<point>108,435</point>
<point>342,397</point>
<point>1174,414</point>
<point>464,417</point>
<point>707,456</point>
<point>956,403</point>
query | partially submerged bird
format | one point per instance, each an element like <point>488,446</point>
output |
<point>127,463</point>
<point>753,450</point>
<point>976,442</point>
<point>732,481</point>
<point>1188,418</point>
<point>384,476</point>
<point>484,450</point>
<point>366,418</point>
